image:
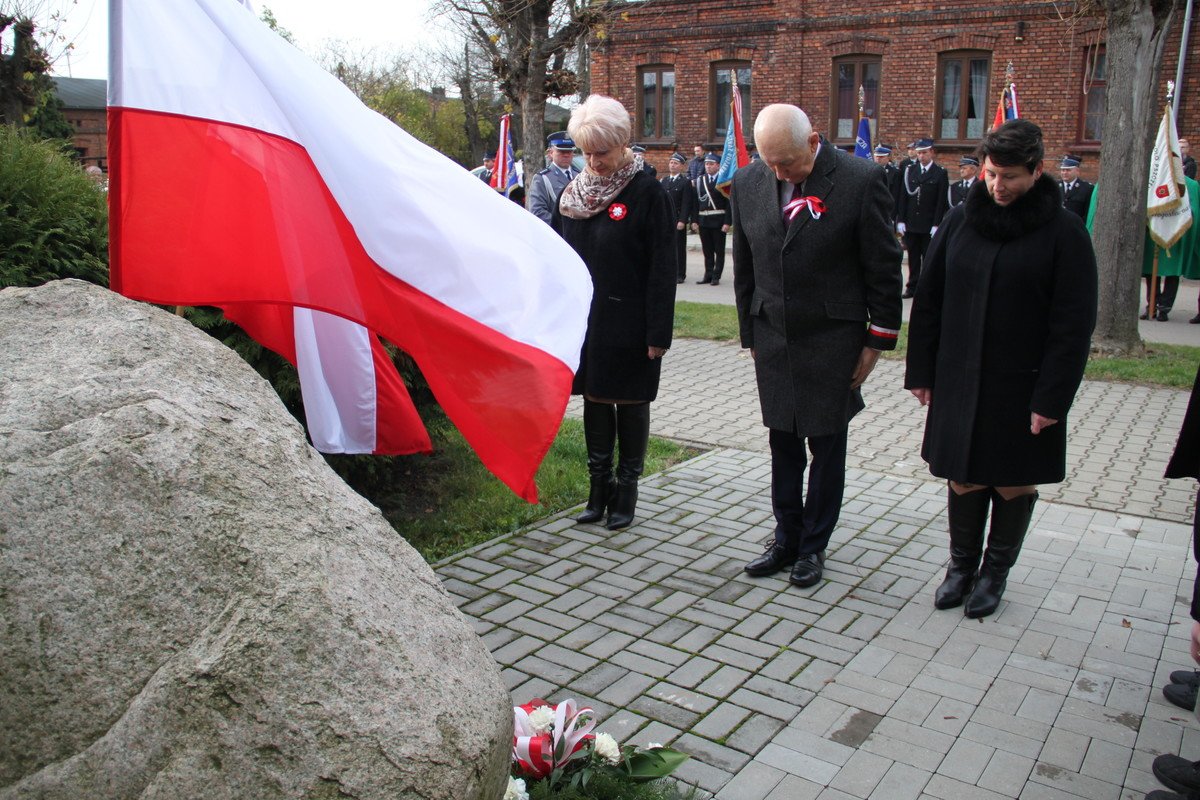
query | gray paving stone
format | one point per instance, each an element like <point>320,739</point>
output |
<point>754,733</point>
<point>901,782</point>
<point>754,782</point>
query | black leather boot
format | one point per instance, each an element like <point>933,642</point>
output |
<point>600,434</point>
<point>633,433</point>
<point>1010,521</point>
<point>967,514</point>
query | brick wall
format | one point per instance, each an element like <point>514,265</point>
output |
<point>791,45</point>
<point>91,136</point>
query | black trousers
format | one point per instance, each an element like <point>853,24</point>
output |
<point>1168,288</point>
<point>804,523</point>
<point>681,254</point>
<point>712,241</point>
<point>916,244</point>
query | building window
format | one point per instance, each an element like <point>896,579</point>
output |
<point>723,76</point>
<point>1095,85</point>
<point>963,95</point>
<point>656,103</point>
<point>848,74</point>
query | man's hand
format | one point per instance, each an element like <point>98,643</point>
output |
<point>901,227</point>
<point>695,227</point>
<point>1196,642</point>
<point>1038,423</point>
<point>679,226</point>
<point>866,363</point>
<point>923,395</point>
<point>653,352</point>
<point>933,231</point>
<point>724,229</point>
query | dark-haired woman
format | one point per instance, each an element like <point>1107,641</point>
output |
<point>998,339</point>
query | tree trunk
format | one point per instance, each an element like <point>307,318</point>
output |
<point>1137,33</point>
<point>583,68</point>
<point>15,97</point>
<point>466,89</point>
<point>533,121</point>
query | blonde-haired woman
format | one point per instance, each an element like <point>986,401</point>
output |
<point>619,220</point>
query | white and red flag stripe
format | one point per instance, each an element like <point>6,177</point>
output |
<point>243,176</point>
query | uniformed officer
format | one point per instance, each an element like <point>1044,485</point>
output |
<point>1077,194</point>
<point>922,206</point>
<point>639,154</point>
<point>683,203</point>
<point>968,171</point>
<point>883,157</point>
<point>695,167</point>
<point>548,183</point>
<point>489,167</point>
<point>909,158</point>
<point>712,220</point>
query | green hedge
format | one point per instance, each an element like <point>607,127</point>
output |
<point>53,217</point>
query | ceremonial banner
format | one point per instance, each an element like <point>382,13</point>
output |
<point>1007,108</point>
<point>862,143</point>
<point>1168,212</point>
<point>504,176</point>
<point>734,156</point>
<point>246,177</point>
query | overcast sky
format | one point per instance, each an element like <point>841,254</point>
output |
<point>386,24</point>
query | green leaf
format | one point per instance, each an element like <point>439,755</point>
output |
<point>650,765</point>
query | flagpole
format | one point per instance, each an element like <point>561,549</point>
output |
<point>1151,305</point>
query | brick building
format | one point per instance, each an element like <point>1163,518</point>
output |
<point>927,69</point>
<point>85,102</point>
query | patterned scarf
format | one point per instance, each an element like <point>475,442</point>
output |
<point>589,194</point>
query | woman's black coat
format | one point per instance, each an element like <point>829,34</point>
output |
<point>1001,327</point>
<point>629,250</point>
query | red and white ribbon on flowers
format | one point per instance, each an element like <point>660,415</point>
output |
<point>535,752</point>
<point>814,205</point>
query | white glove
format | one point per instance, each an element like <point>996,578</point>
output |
<point>900,226</point>
<point>933,231</point>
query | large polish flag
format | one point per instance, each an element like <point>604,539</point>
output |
<point>244,176</point>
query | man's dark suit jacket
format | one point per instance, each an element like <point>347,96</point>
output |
<point>813,292</point>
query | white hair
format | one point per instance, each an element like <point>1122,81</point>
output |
<point>779,117</point>
<point>599,123</point>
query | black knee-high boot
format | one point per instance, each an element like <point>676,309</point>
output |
<point>600,435</point>
<point>967,515</point>
<point>633,433</point>
<point>1010,521</point>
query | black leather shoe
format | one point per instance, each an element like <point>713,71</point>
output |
<point>1162,315</point>
<point>776,559</point>
<point>716,281</point>
<point>704,280</point>
<point>680,280</point>
<point>807,571</point>
<point>1181,694</point>
<point>1177,773</point>
<point>1188,677</point>
<point>1194,320</point>
<point>1163,794</point>
<point>1145,314</point>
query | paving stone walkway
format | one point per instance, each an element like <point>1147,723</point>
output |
<point>858,688</point>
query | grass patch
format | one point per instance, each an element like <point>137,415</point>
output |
<point>1172,366</point>
<point>448,502</point>
<point>706,321</point>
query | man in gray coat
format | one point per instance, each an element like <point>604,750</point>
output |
<point>548,183</point>
<point>817,281</point>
